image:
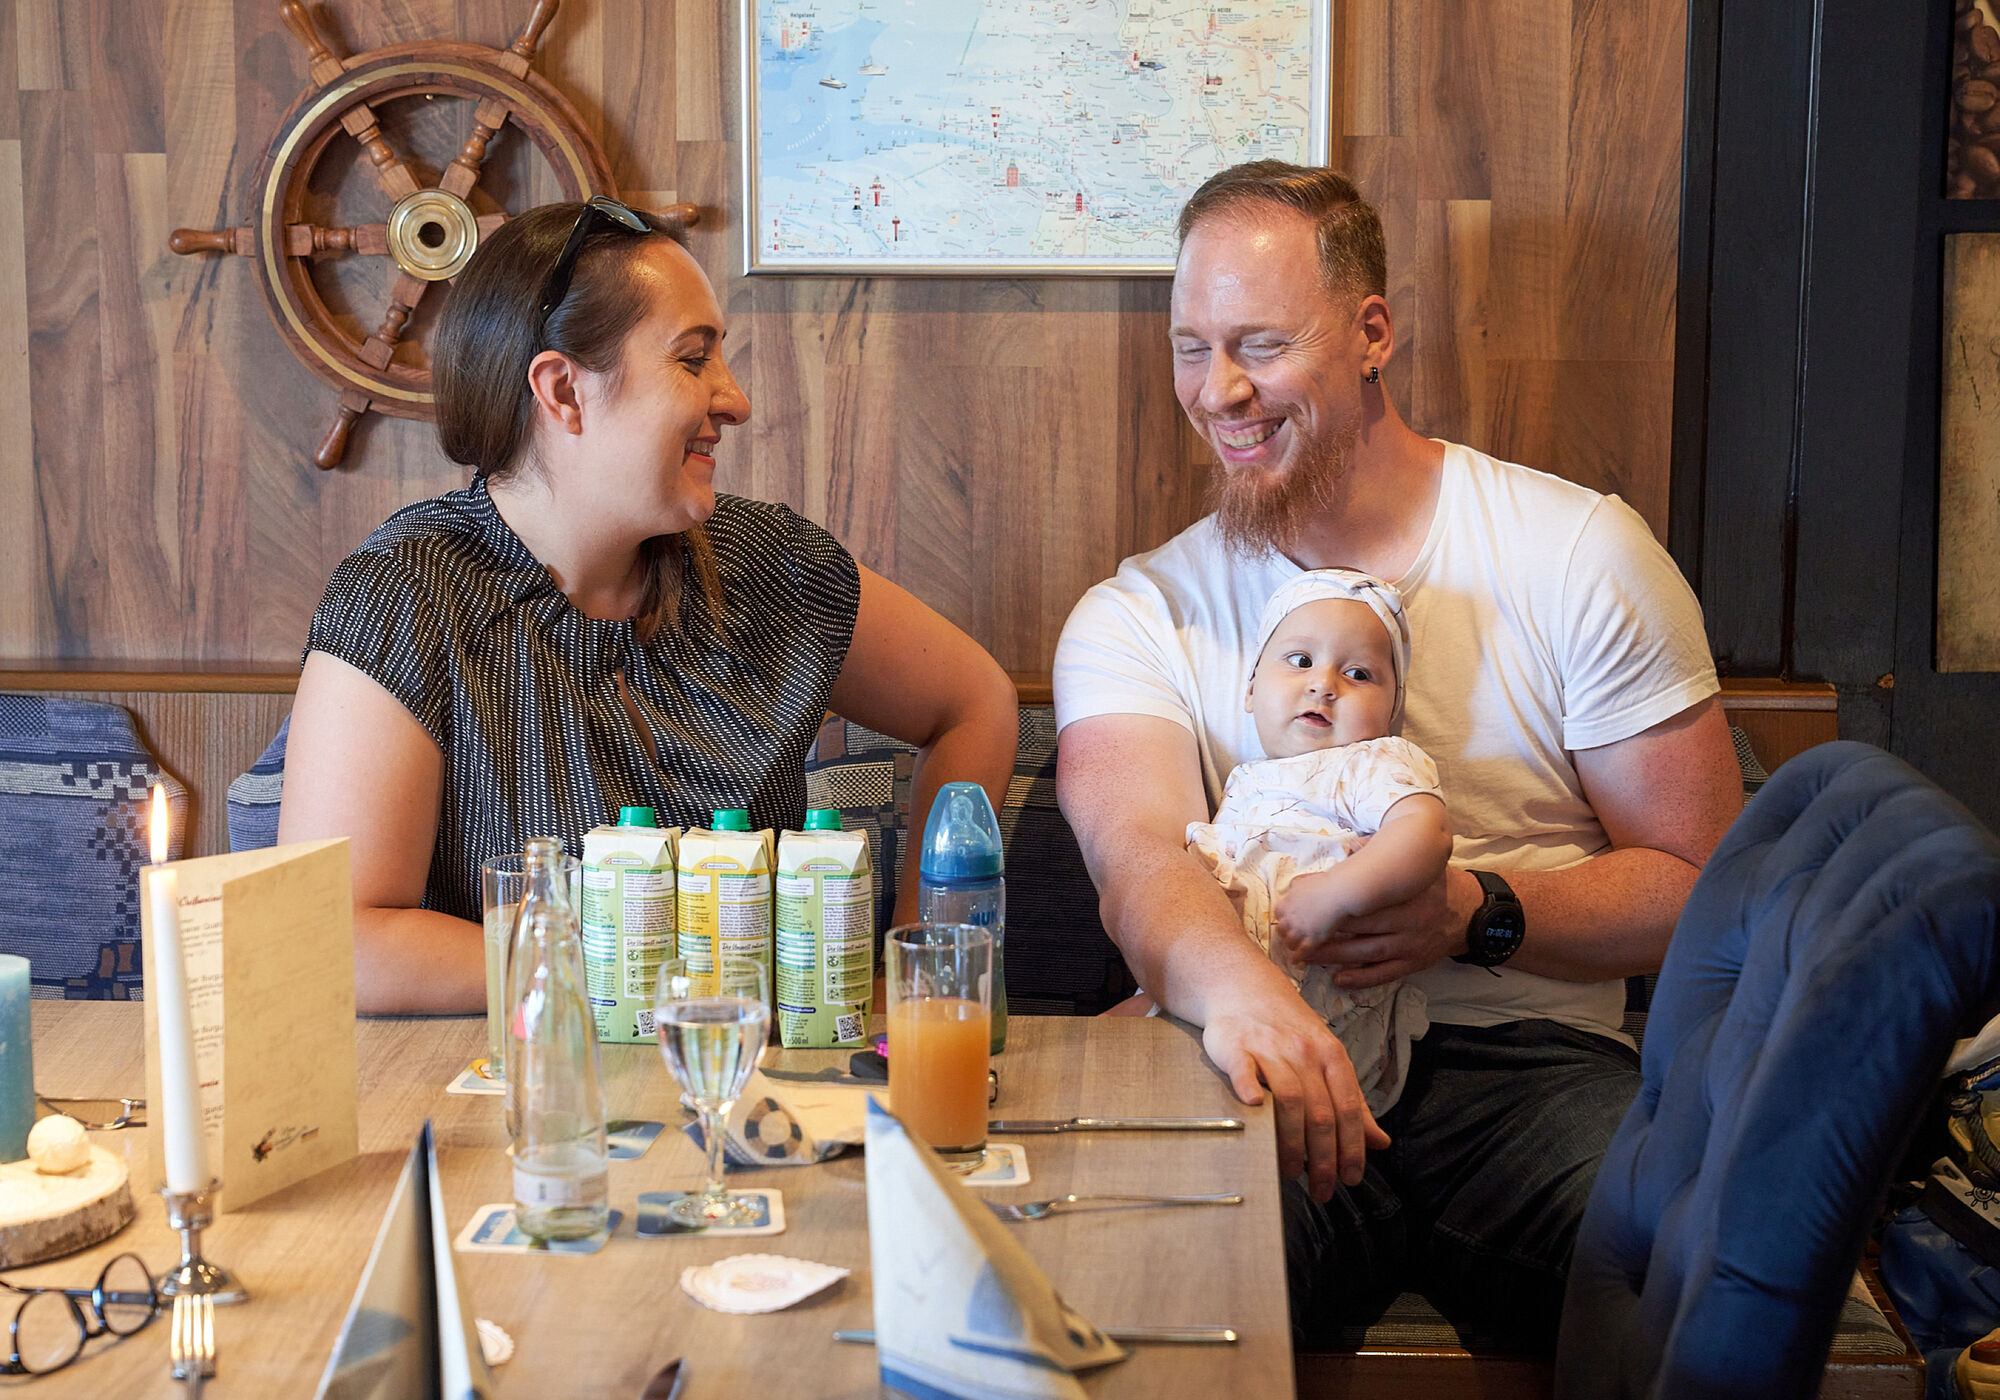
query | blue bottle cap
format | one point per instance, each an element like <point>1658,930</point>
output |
<point>962,836</point>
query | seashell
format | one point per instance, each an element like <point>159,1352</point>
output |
<point>56,1144</point>
<point>494,1343</point>
<point>757,1283</point>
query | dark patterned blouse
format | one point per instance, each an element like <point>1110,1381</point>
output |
<point>448,611</point>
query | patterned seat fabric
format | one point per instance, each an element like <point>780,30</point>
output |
<point>254,796</point>
<point>75,779</point>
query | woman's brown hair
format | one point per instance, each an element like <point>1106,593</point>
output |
<point>489,333</point>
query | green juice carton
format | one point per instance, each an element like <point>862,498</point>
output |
<point>628,920</point>
<point>723,880</point>
<point>825,936</point>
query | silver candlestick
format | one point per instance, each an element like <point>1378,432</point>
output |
<point>191,1212</point>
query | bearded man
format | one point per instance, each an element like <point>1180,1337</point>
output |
<point>1559,676</point>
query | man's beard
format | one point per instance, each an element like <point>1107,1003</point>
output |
<point>1259,510</point>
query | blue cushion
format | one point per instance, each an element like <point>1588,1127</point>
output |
<point>75,779</point>
<point>254,797</point>
<point>1838,941</point>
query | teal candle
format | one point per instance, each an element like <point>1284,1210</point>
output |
<point>17,1060</point>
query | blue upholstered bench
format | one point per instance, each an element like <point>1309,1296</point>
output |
<point>74,782</point>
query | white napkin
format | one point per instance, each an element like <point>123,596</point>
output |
<point>960,1308</point>
<point>793,1125</point>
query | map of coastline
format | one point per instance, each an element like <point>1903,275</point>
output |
<point>1050,132</point>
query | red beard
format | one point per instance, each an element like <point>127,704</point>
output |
<point>1259,510</point>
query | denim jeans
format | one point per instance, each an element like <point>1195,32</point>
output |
<point>1476,1202</point>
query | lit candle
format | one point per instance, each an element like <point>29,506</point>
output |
<point>180,1089</point>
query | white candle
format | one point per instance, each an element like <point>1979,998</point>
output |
<point>180,1089</point>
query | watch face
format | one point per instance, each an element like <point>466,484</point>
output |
<point>1500,934</point>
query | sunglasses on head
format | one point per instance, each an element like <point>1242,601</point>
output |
<point>601,207</point>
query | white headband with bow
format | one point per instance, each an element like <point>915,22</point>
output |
<point>1382,599</point>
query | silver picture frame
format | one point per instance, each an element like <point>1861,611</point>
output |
<point>761,258</point>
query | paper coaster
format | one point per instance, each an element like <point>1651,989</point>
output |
<point>492,1231</point>
<point>757,1283</point>
<point>653,1219</point>
<point>1006,1165</point>
<point>471,1081</point>
<point>630,1137</point>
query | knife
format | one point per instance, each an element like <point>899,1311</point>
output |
<point>1210,1336</point>
<point>1115,1125</point>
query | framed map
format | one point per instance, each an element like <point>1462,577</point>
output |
<point>1012,136</point>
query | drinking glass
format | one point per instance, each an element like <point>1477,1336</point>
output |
<point>940,985</point>
<point>502,882</point>
<point>712,1028</point>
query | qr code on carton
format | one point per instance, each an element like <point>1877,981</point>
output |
<point>646,1022</point>
<point>849,1027</point>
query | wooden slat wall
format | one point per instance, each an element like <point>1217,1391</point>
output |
<point>996,445</point>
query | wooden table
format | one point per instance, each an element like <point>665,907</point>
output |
<point>601,1325</point>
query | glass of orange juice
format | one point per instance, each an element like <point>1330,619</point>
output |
<point>940,986</point>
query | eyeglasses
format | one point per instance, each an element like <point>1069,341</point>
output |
<point>49,1327</point>
<point>130,1113</point>
<point>598,207</point>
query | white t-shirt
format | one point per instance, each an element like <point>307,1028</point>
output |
<point>1544,618</point>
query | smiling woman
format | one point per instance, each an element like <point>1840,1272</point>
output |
<point>589,625</point>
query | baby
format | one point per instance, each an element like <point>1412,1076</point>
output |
<point>1326,691</point>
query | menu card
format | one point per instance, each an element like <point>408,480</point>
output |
<point>269,942</point>
<point>409,1334</point>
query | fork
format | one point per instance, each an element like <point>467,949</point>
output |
<point>191,1342</point>
<point>1035,1210</point>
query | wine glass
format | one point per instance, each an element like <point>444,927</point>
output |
<point>712,1028</point>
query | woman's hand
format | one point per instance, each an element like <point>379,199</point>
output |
<point>913,676</point>
<point>359,765</point>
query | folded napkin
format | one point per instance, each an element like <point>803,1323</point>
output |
<point>960,1308</point>
<point>792,1125</point>
<point>409,1334</point>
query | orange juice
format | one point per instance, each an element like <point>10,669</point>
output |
<point>937,1070</point>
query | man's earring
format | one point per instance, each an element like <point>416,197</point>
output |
<point>1374,374</point>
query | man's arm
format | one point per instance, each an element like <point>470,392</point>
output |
<point>1664,797</point>
<point>1129,785</point>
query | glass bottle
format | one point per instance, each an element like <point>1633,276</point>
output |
<point>555,1092</point>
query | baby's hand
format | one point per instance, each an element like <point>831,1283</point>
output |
<point>1303,918</point>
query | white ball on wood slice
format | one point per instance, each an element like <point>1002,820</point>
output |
<point>56,1144</point>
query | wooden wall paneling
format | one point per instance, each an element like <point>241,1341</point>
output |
<point>878,403</point>
<point>1461,43</point>
<point>1622,201</point>
<point>53,38</point>
<point>126,51</point>
<point>10,74</point>
<point>639,95</point>
<point>1157,480</point>
<point>1530,64</point>
<point>128,512</point>
<point>26,627</point>
<point>65,377</point>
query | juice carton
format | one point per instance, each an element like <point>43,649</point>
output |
<point>628,921</point>
<point>724,880</point>
<point>826,935</point>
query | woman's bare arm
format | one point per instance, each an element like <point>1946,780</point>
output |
<point>359,765</point>
<point>911,675</point>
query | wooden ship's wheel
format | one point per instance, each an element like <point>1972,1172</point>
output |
<point>431,230</point>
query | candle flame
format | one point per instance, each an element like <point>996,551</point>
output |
<point>159,824</point>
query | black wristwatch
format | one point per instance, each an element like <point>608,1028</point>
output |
<point>1498,924</point>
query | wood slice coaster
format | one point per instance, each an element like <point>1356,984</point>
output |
<point>43,1216</point>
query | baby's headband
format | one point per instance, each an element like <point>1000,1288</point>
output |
<point>1382,599</point>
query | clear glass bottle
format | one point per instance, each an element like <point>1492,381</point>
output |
<point>555,1091</point>
<point>961,879</point>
